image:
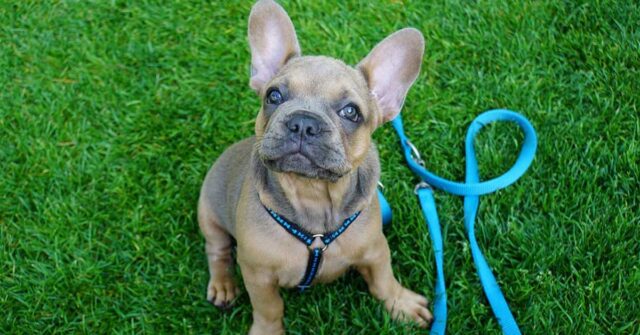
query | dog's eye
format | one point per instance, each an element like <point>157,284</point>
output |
<point>350,112</point>
<point>274,97</point>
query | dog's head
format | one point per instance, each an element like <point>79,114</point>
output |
<point>318,114</point>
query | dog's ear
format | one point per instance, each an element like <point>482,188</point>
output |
<point>391,68</point>
<point>272,39</point>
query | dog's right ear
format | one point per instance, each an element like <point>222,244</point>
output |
<point>272,39</point>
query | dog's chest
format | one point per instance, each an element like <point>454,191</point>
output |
<point>270,248</point>
<point>335,261</point>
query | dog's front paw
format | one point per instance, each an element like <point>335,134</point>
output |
<point>266,329</point>
<point>221,291</point>
<point>410,306</point>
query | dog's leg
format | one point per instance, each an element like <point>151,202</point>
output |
<point>402,303</point>
<point>222,288</point>
<point>268,307</point>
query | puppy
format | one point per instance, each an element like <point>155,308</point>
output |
<point>311,166</point>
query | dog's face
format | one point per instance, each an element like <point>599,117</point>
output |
<point>316,119</point>
<point>318,114</point>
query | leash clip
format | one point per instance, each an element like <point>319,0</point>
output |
<point>421,185</point>
<point>415,154</point>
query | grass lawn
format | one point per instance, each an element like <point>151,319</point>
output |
<point>111,112</point>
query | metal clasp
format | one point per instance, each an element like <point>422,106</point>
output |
<point>415,154</point>
<point>319,236</point>
<point>421,185</point>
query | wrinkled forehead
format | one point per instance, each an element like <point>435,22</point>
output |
<point>323,77</point>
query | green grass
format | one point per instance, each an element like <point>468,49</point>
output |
<point>111,112</point>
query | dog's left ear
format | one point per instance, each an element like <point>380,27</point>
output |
<point>273,41</point>
<point>391,68</point>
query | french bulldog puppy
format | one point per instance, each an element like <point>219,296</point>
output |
<point>311,161</point>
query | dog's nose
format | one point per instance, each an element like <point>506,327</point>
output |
<point>304,125</point>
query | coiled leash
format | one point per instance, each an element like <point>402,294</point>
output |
<point>471,190</point>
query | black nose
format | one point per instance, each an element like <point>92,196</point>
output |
<point>304,124</point>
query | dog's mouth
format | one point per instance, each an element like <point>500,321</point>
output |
<point>311,161</point>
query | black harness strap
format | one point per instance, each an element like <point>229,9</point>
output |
<point>315,254</point>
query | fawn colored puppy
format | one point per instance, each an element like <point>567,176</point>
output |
<point>310,165</point>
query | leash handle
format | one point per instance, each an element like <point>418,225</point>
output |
<point>471,189</point>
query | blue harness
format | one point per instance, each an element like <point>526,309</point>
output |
<point>471,190</point>
<point>315,254</point>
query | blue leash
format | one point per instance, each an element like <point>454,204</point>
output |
<point>471,190</point>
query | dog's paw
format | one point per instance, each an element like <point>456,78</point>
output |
<point>410,306</point>
<point>266,329</point>
<point>221,291</point>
